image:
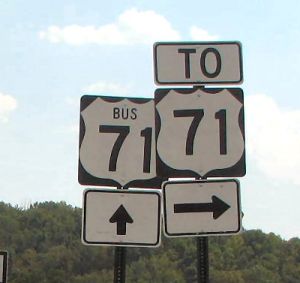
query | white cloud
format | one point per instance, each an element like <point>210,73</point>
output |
<point>107,88</point>
<point>200,34</point>
<point>272,136</point>
<point>7,105</point>
<point>131,27</point>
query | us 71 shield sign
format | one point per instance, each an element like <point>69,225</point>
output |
<point>117,142</point>
<point>200,132</point>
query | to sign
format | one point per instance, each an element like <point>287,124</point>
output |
<point>117,142</point>
<point>3,266</point>
<point>200,132</point>
<point>198,63</point>
<point>121,217</point>
<point>201,207</point>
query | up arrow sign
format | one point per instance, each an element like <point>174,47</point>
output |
<point>118,217</point>
<point>121,217</point>
<point>217,207</point>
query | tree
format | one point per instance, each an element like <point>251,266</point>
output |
<point>44,246</point>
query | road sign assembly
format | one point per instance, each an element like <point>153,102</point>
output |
<point>197,63</point>
<point>200,132</point>
<point>121,217</point>
<point>183,132</point>
<point>3,266</point>
<point>193,208</point>
<point>117,142</point>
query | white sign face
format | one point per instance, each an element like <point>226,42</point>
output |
<point>3,267</point>
<point>201,207</point>
<point>198,63</point>
<point>117,142</point>
<point>200,133</point>
<point>122,217</point>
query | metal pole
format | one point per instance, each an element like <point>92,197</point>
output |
<point>202,263</point>
<point>120,265</point>
<point>120,262</point>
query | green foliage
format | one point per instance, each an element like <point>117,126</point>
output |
<point>44,246</point>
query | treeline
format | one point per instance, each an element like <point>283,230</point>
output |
<point>44,246</point>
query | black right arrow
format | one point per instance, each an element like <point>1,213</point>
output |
<point>121,217</point>
<point>217,207</point>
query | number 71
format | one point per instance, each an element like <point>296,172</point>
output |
<point>197,115</point>
<point>123,132</point>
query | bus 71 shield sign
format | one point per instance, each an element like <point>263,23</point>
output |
<point>200,132</point>
<point>117,142</point>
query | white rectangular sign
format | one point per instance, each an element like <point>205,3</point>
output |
<point>121,217</point>
<point>198,63</point>
<point>3,267</point>
<point>193,208</point>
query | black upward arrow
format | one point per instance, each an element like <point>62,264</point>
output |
<point>121,217</point>
<point>217,207</point>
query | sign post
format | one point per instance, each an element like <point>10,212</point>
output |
<point>121,218</point>
<point>117,149</point>
<point>3,266</point>
<point>200,134</point>
<point>120,265</point>
<point>203,260</point>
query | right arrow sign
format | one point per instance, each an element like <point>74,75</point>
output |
<point>201,207</point>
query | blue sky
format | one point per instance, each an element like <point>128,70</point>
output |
<point>51,53</point>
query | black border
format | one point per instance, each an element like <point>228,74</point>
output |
<point>165,171</point>
<point>157,82</point>
<point>84,178</point>
<point>5,265</point>
<point>173,235</point>
<point>126,244</point>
